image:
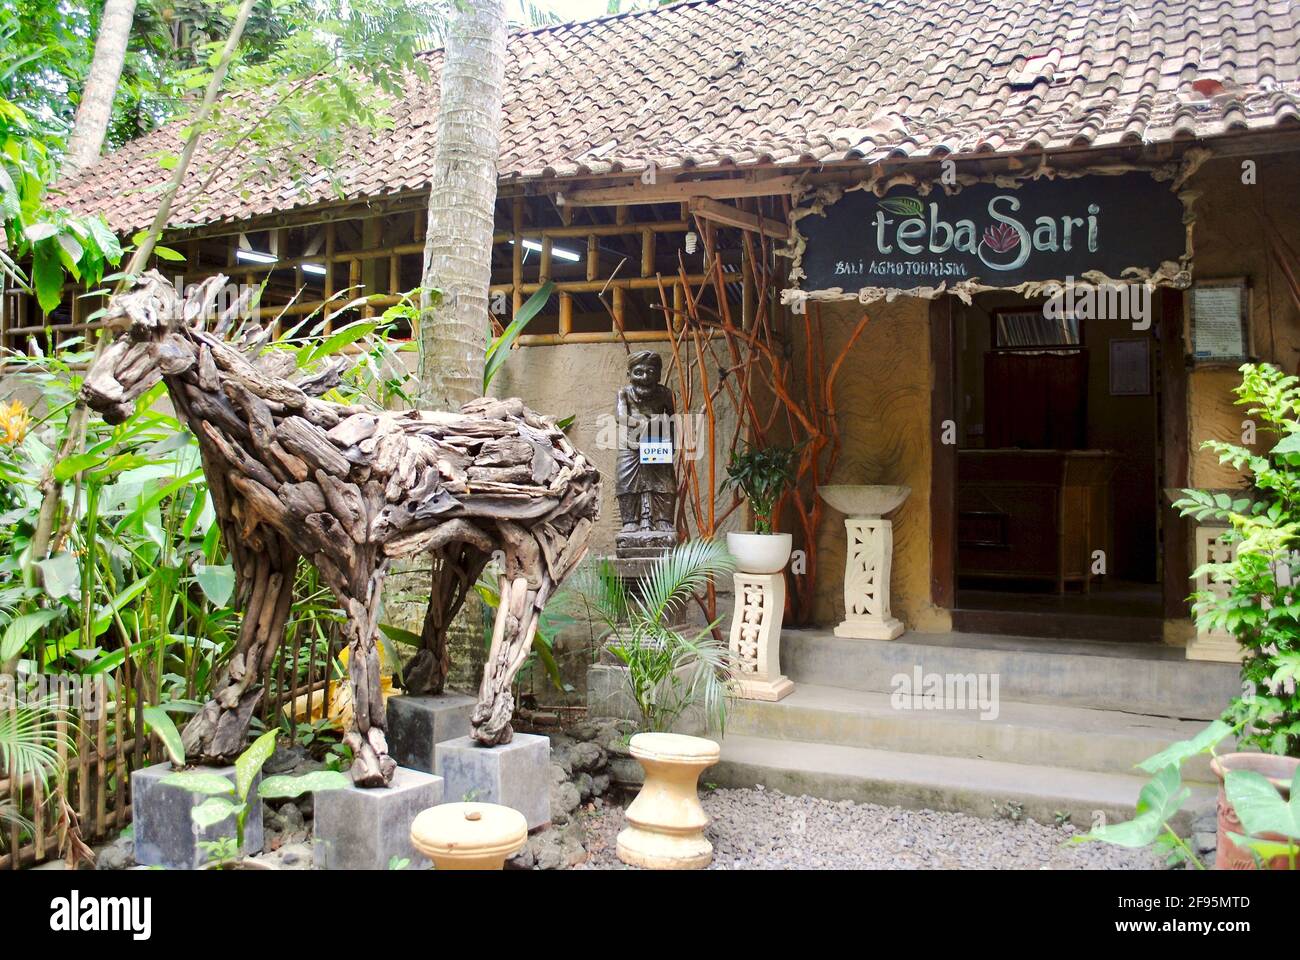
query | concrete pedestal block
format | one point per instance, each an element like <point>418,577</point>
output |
<point>666,820</point>
<point>515,774</point>
<point>165,834</point>
<point>866,581</point>
<point>755,642</point>
<point>364,829</point>
<point>416,724</point>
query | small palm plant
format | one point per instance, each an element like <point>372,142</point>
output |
<point>668,673</point>
<point>28,740</point>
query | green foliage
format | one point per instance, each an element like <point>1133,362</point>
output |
<point>59,245</point>
<point>668,672</point>
<point>29,741</point>
<point>156,718</point>
<point>1257,594</point>
<point>498,350</point>
<point>1161,798</point>
<point>761,476</point>
<point>226,799</point>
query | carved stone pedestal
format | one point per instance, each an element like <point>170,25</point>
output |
<point>666,819</point>
<point>756,636</point>
<point>1215,645</point>
<point>866,580</point>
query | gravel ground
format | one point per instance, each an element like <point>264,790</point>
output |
<point>761,829</point>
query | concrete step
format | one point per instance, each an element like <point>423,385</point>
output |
<point>1073,737</point>
<point>1141,678</point>
<point>982,788</point>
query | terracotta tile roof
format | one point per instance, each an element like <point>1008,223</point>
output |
<point>717,83</point>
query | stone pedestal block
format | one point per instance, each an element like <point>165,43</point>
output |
<point>417,724</point>
<point>666,820</point>
<point>866,581</point>
<point>364,829</point>
<point>756,636</point>
<point>515,774</point>
<point>165,834</point>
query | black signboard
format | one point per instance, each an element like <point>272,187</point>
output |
<point>997,236</point>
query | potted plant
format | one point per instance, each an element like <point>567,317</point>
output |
<point>668,673</point>
<point>226,798</point>
<point>760,474</point>
<point>1259,816</point>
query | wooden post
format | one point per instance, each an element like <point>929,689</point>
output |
<point>647,253</point>
<point>544,269</point>
<point>517,252</point>
<point>943,456</point>
<point>1176,452</point>
<point>566,314</point>
<point>593,257</point>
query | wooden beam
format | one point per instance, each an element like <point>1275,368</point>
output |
<point>730,216</point>
<point>676,191</point>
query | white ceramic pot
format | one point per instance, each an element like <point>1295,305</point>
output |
<point>760,552</point>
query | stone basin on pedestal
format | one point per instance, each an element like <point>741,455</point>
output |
<point>867,557</point>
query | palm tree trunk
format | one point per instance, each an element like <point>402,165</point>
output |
<point>96,107</point>
<point>458,246</point>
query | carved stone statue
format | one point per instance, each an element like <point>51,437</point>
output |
<point>646,484</point>
<point>349,489</point>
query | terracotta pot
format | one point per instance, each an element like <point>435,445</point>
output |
<point>1279,771</point>
<point>760,552</point>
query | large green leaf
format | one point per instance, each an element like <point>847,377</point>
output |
<point>342,337</point>
<point>198,781</point>
<point>21,629</point>
<point>1161,798</point>
<point>157,720</point>
<point>68,468</point>
<point>217,582</point>
<point>1259,805</point>
<point>282,786</point>
<point>47,274</point>
<point>249,763</point>
<point>499,349</point>
<point>1176,753</point>
<point>60,574</point>
<point>212,811</point>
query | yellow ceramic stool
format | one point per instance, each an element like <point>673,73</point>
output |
<point>469,836</point>
<point>667,821</point>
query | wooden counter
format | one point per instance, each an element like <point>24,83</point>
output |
<point>1033,514</point>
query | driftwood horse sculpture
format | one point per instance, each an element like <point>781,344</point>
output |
<point>350,489</point>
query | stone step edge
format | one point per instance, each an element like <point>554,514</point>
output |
<point>928,781</point>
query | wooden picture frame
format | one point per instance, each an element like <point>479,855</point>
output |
<point>1218,321</point>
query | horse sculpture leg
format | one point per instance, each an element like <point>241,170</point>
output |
<point>371,764</point>
<point>219,733</point>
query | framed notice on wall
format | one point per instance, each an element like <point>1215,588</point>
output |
<point>1130,368</point>
<point>1218,314</point>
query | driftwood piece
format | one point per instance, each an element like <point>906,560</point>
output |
<point>349,488</point>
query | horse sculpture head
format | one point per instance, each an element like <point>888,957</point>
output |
<point>151,322</point>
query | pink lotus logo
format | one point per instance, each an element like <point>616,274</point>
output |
<point>1001,237</point>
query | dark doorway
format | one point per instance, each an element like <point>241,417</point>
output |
<point>1054,514</point>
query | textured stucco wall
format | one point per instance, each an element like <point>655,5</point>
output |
<point>882,400</point>
<point>1230,242</point>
